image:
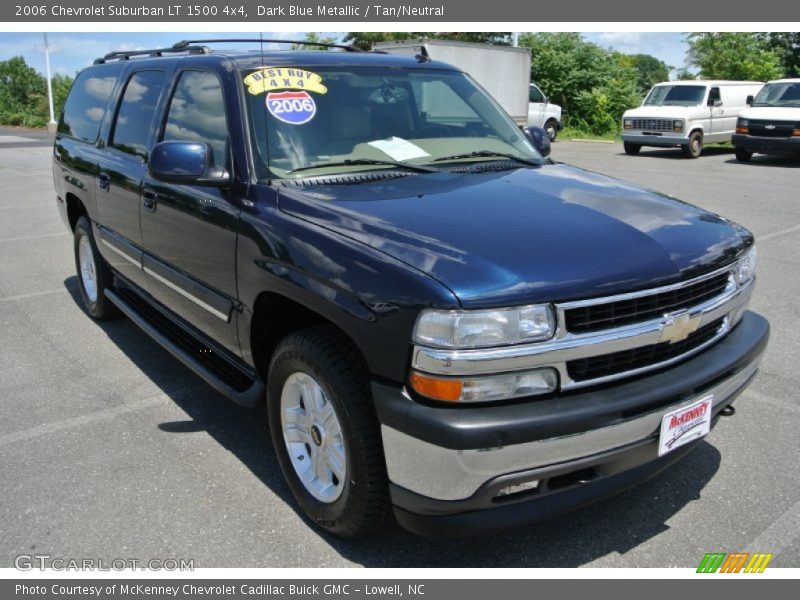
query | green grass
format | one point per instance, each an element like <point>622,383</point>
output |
<point>572,133</point>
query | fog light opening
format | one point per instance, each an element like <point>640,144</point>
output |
<point>517,488</point>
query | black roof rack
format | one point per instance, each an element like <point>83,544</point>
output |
<point>128,54</point>
<point>192,47</point>
<point>187,43</point>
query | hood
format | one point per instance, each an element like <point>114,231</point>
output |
<point>771,113</point>
<point>666,112</point>
<point>552,233</point>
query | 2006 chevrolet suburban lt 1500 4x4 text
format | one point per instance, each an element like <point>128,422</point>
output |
<point>442,323</point>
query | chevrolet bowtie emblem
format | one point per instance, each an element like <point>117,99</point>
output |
<point>677,327</point>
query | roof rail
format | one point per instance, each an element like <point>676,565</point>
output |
<point>128,54</point>
<point>187,43</point>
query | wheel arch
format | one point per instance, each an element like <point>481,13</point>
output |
<point>75,209</point>
<point>275,316</point>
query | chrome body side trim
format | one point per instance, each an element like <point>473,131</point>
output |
<point>446,474</point>
<point>185,294</point>
<point>124,255</point>
<point>566,346</point>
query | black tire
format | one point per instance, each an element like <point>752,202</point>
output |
<point>743,155</point>
<point>551,127</point>
<point>630,148</point>
<point>695,146</point>
<point>330,358</point>
<point>97,305</point>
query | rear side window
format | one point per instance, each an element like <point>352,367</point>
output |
<point>136,111</point>
<point>86,105</point>
<point>197,113</point>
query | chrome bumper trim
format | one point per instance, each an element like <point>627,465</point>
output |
<point>445,474</point>
<point>566,346</point>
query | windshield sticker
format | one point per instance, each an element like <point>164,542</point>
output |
<point>294,108</point>
<point>283,78</point>
<point>399,149</point>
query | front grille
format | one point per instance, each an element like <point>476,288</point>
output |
<point>597,317</point>
<point>778,129</point>
<point>596,367</point>
<point>652,124</point>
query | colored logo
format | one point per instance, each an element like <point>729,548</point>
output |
<point>678,326</point>
<point>294,108</point>
<point>736,562</point>
<point>283,78</point>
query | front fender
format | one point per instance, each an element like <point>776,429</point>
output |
<point>373,297</point>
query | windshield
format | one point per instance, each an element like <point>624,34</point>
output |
<point>676,95</point>
<point>332,120</point>
<point>779,94</point>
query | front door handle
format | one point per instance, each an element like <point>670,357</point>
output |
<point>149,198</point>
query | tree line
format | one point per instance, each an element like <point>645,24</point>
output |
<point>594,85</point>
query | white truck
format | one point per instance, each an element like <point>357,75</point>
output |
<point>686,114</point>
<point>503,71</point>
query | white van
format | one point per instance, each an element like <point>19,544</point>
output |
<point>541,113</point>
<point>687,114</point>
<point>771,125</point>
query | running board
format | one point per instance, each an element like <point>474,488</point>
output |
<point>215,369</point>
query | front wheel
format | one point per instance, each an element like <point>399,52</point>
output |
<point>94,276</point>
<point>630,148</point>
<point>743,155</point>
<point>695,146</point>
<point>551,127</point>
<point>326,433</point>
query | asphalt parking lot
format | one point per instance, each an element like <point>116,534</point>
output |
<point>110,448</point>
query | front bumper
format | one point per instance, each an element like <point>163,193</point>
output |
<point>446,465</point>
<point>644,139</point>
<point>765,145</point>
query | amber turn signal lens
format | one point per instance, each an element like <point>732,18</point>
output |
<point>796,133</point>
<point>742,130</point>
<point>436,387</point>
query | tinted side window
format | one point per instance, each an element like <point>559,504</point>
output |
<point>135,114</point>
<point>535,95</point>
<point>197,113</point>
<point>713,96</point>
<point>87,101</point>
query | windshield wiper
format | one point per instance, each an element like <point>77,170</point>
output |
<point>368,161</point>
<point>490,154</point>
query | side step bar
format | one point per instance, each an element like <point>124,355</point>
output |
<point>252,396</point>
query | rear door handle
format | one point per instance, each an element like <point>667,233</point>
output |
<point>149,198</point>
<point>104,181</point>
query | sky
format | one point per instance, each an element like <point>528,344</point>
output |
<point>70,52</point>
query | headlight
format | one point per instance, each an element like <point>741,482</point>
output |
<point>627,123</point>
<point>746,267</point>
<point>742,126</point>
<point>677,126</point>
<point>484,328</point>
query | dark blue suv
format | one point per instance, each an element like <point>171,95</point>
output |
<point>442,323</point>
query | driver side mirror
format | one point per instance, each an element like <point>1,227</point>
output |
<point>539,138</point>
<point>717,103</point>
<point>187,163</point>
<point>749,100</point>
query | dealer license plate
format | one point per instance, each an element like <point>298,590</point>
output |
<point>685,425</point>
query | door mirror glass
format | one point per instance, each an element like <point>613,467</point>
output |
<point>539,138</point>
<point>749,100</point>
<point>190,163</point>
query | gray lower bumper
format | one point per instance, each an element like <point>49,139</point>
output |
<point>448,474</point>
<point>655,140</point>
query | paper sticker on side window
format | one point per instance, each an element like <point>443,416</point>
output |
<point>294,108</point>
<point>283,78</point>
